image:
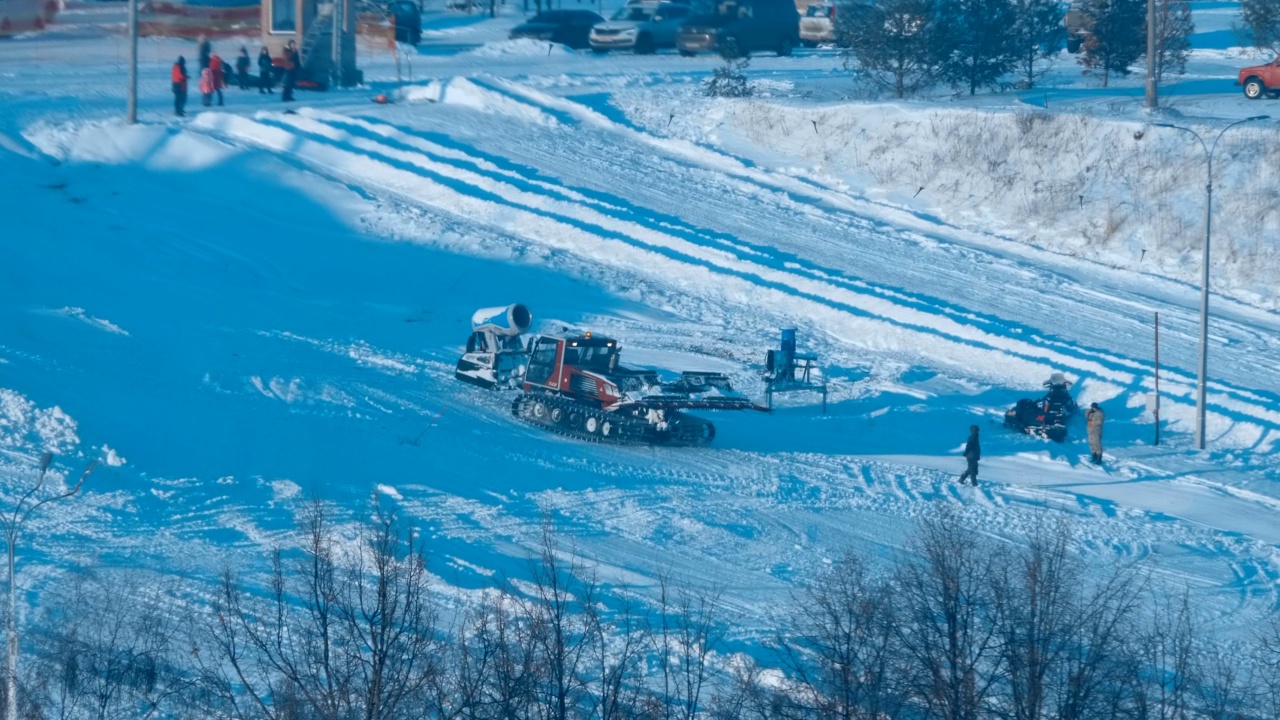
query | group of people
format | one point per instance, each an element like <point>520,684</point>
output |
<point>213,75</point>
<point>1094,418</point>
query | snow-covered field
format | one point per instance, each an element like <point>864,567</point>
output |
<point>260,304</point>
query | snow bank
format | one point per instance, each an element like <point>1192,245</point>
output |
<point>1116,192</point>
<point>522,47</point>
<point>115,142</point>
<point>25,426</point>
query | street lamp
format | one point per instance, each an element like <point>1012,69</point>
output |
<point>12,526</point>
<point>1204,270</point>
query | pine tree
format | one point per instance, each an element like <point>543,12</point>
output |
<point>976,39</point>
<point>891,43</point>
<point>1038,35</point>
<point>1117,38</point>
<point>1173,37</point>
<point>1262,23</point>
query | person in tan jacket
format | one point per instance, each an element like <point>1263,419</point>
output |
<point>1095,416</point>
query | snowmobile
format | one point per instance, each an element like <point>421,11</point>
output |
<point>1047,417</point>
<point>573,385</point>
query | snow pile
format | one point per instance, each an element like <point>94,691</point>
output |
<point>23,425</point>
<point>100,323</point>
<point>111,458</point>
<point>116,142</point>
<point>1117,192</point>
<point>521,47</point>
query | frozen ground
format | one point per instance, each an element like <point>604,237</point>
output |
<point>252,306</point>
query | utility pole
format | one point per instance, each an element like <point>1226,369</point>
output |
<point>12,527</point>
<point>133,62</point>
<point>1152,100</point>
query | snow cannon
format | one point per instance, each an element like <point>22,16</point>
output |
<point>496,355</point>
<point>513,319</point>
<point>785,370</point>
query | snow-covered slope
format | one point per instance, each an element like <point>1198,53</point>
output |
<point>253,306</point>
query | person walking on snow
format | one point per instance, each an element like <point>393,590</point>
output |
<point>265,69</point>
<point>972,453</point>
<point>242,69</point>
<point>1095,416</point>
<point>206,86</point>
<point>219,72</point>
<point>179,77</point>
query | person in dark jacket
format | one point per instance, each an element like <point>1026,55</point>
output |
<point>972,454</point>
<point>1095,417</point>
<point>291,62</point>
<point>265,69</point>
<point>179,77</point>
<point>242,69</point>
<point>206,52</point>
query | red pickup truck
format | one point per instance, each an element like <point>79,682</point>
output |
<point>1261,80</point>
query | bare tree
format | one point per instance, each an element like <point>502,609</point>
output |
<point>690,630</point>
<point>110,647</point>
<point>842,649</point>
<point>337,637</point>
<point>560,631</point>
<point>946,596</point>
<point>620,649</point>
<point>1090,684</point>
<point>1162,675</point>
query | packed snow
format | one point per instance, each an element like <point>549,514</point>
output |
<point>262,305</point>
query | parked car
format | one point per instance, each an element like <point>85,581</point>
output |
<point>818,25</point>
<point>1261,80</point>
<point>408,20</point>
<point>749,25</point>
<point>568,27</point>
<point>643,27</point>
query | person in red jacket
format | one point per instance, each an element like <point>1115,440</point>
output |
<point>179,76</point>
<point>219,72</point>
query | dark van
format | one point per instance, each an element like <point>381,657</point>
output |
<point>747,26</point>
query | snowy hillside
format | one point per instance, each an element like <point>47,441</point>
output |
<point>260,304</point>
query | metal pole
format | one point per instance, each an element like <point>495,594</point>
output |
<point>1152,100</point>
<point>1204,270</point>
<point>133,62</point>
<point>11,627</point>
<point>1157,407</point>
<point>1204,304</point>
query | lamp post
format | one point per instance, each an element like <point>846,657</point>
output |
<point>12,527</point>
<point>1204,270</point>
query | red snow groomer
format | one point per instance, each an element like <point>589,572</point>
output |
<point>573,384</point>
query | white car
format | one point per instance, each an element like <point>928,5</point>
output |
<point>818,25</point>
<point>643,27</point>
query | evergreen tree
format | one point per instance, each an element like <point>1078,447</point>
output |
<point>1262,23</point>
<point>1173,37</point>
<point>977,40</point>
<point>892,43</point>
<point>1038,34</point>
<point>1117,38</point>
